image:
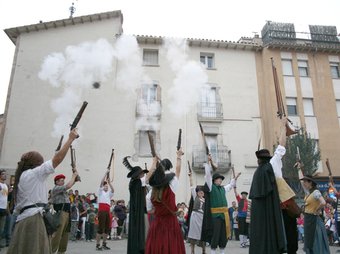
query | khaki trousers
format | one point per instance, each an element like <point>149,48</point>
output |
<point>60,237</point>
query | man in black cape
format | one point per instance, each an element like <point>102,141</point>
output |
<point>269,192</point>
<point>137,208</point>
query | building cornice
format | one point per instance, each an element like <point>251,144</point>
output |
<point>305,46</point>
<point>158,40</point>
<point>14,32</point>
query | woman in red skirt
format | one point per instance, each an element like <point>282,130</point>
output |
<point>165,235</point>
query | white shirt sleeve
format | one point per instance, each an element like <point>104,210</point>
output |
<point>174,184</point>
<point>143,180</point>
<point>231,185</point>
<point>44,170</point>
<point>207,176</point>
<point>276,160</point>
<point>149,205</point>
<point>193,192</point>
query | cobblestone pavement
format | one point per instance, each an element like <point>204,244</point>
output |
<point>119,247</point>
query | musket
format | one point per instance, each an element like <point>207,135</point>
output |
<point>78,116</point>
<point>189,168</point>
<point>206,145</point>
<point>329,171</point>
<point>179,141</point>
<point>204,140</point>
<point>146,166</point>
<point>280,105</point>
<point>73,163</point>
<point>152,145</point>
<point>231,165</point>
<point>60,143</point>
<point>298,161</point>
<point>109,165</point>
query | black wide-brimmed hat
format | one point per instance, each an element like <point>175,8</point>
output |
<point>134,171</point>
<point>159,178</point>
<point>263,154</point>
<point>217,175</point>
<point>308,178</point>
<point>244,192</point>
<point>166,164</point>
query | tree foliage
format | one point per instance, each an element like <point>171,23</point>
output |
<point>309,155</point>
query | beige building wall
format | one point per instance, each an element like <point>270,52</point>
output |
<point>318,86</point>
<point>109,120</point>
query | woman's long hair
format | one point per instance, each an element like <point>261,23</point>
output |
<point>157,194</point>
<point>28,160</point>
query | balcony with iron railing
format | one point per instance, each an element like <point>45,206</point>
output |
<point>210,112</point>
<point>148,109</point>
<point>274,33</point>
<point>220,156</point>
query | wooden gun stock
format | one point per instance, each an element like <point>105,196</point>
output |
<point>110,163</point>
<point>204,140</point>
<point>79,115</point>
<point>152,145</point>
<point>179,141</point>
<point>280,105</point>
<point>73,163</point>
<point>207,151</point>
<point>60,143</point>
<point>189,168</point>
<point>329,171</point>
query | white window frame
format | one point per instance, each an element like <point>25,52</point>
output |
<point>335,73</point>
<point>208,101</point>
<point>303,68</point>
<point>291,102</point>
<point>150,57</point>
<point>308,106</point>
<point>287,67</point>
<point>208,60</point>
<point>149,93</point>
<point>338,107</point>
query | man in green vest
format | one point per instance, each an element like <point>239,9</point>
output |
<point>216,222</point>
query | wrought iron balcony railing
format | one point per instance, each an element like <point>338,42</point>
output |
<point>210,111</point>
<point>148,109</point>
<point>220,155</point>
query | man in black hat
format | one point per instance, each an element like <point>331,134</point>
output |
<point>137,208</point>
<point>268,190</point>
<point>242,216</point>
<point>216,223</point>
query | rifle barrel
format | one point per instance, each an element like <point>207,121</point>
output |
<point>79,115</point>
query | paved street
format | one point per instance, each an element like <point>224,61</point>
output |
<point>119,247</point>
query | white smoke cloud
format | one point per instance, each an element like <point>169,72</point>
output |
<point>75,70</point>
<point>190,78</point>
<point>130,73</point>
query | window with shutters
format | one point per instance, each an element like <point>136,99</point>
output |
<point>287,69</point>
<point>149,100</point>
<point>303,68</point>
<point>338,107</point>
<point>291,106</point>
<point>335,70</point>
<point>150,57</point>
<point>308,107</point>
<point>207,59</point>
<point>210,106</point>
